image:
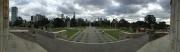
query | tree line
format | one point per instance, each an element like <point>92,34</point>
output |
<point>149,22</point>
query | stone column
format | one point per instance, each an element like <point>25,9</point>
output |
<point>175,25</point>
<point>1,30</point>
<point>4,21</point>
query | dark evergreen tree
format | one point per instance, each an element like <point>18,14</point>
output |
<point>106,23</point>
<point>114,23</point>
<point>150,20</point>
<point>80,21</point>
<point>18,22</point>
<point>123,23</point>
<point>58,22</point>
<point>73,22</point>
<point>161,25</point>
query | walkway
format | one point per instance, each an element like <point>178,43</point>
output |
<point>92,35</point>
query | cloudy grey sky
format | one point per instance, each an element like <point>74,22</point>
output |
<point>131,10</point>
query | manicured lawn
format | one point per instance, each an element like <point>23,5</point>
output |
<point>113,32</point>
<point>69,31</point>
<point>116,33</point>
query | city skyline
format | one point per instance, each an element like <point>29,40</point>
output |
<point>91,9</point>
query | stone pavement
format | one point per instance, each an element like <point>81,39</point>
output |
<point>162,44</point>
<point>92,35</point>
<point>17,44</point>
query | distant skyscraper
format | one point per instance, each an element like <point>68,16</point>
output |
<point>14,12</point>
<point>62,15</point>
<point>74,15</point>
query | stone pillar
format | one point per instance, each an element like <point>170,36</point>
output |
<point>175,25</point>
<point>1,30</point>
<point>4,21</point>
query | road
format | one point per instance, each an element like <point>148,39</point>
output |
<point>92,35</point>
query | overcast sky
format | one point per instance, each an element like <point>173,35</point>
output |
<point>131,10</point>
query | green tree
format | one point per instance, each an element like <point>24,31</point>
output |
<point>73,22</point>
<point>114,23</point>
<point>150,20</point>
<point>123,23</point>
<point>18,22</point>
<point>162,25</point>
<point>58,22</point>
<point>80,21</point>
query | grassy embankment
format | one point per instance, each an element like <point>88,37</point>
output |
<point>68,31</point>
<point>115,32</point>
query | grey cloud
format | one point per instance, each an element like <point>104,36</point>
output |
<point>135,2</point>
<point>25,14</point>
<point>123,9</point>
<point>95,3</point>
<point>165,4</point>
<point>66,10</point>
<point>69,9</point>
<point>42,2</point>
<point>37,10</point>
<point>127,7</point>
<point>21,2</point>
<point>160,14</point>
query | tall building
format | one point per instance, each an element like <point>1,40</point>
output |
<point>62,17</point>
<point>14,12</point>
<point>37,18</point>
<point>74,15</point>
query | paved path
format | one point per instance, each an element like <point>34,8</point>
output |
<point>92,35</point>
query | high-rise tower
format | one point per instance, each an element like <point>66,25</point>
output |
<point>14,12</point>
<point>74,15</point>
